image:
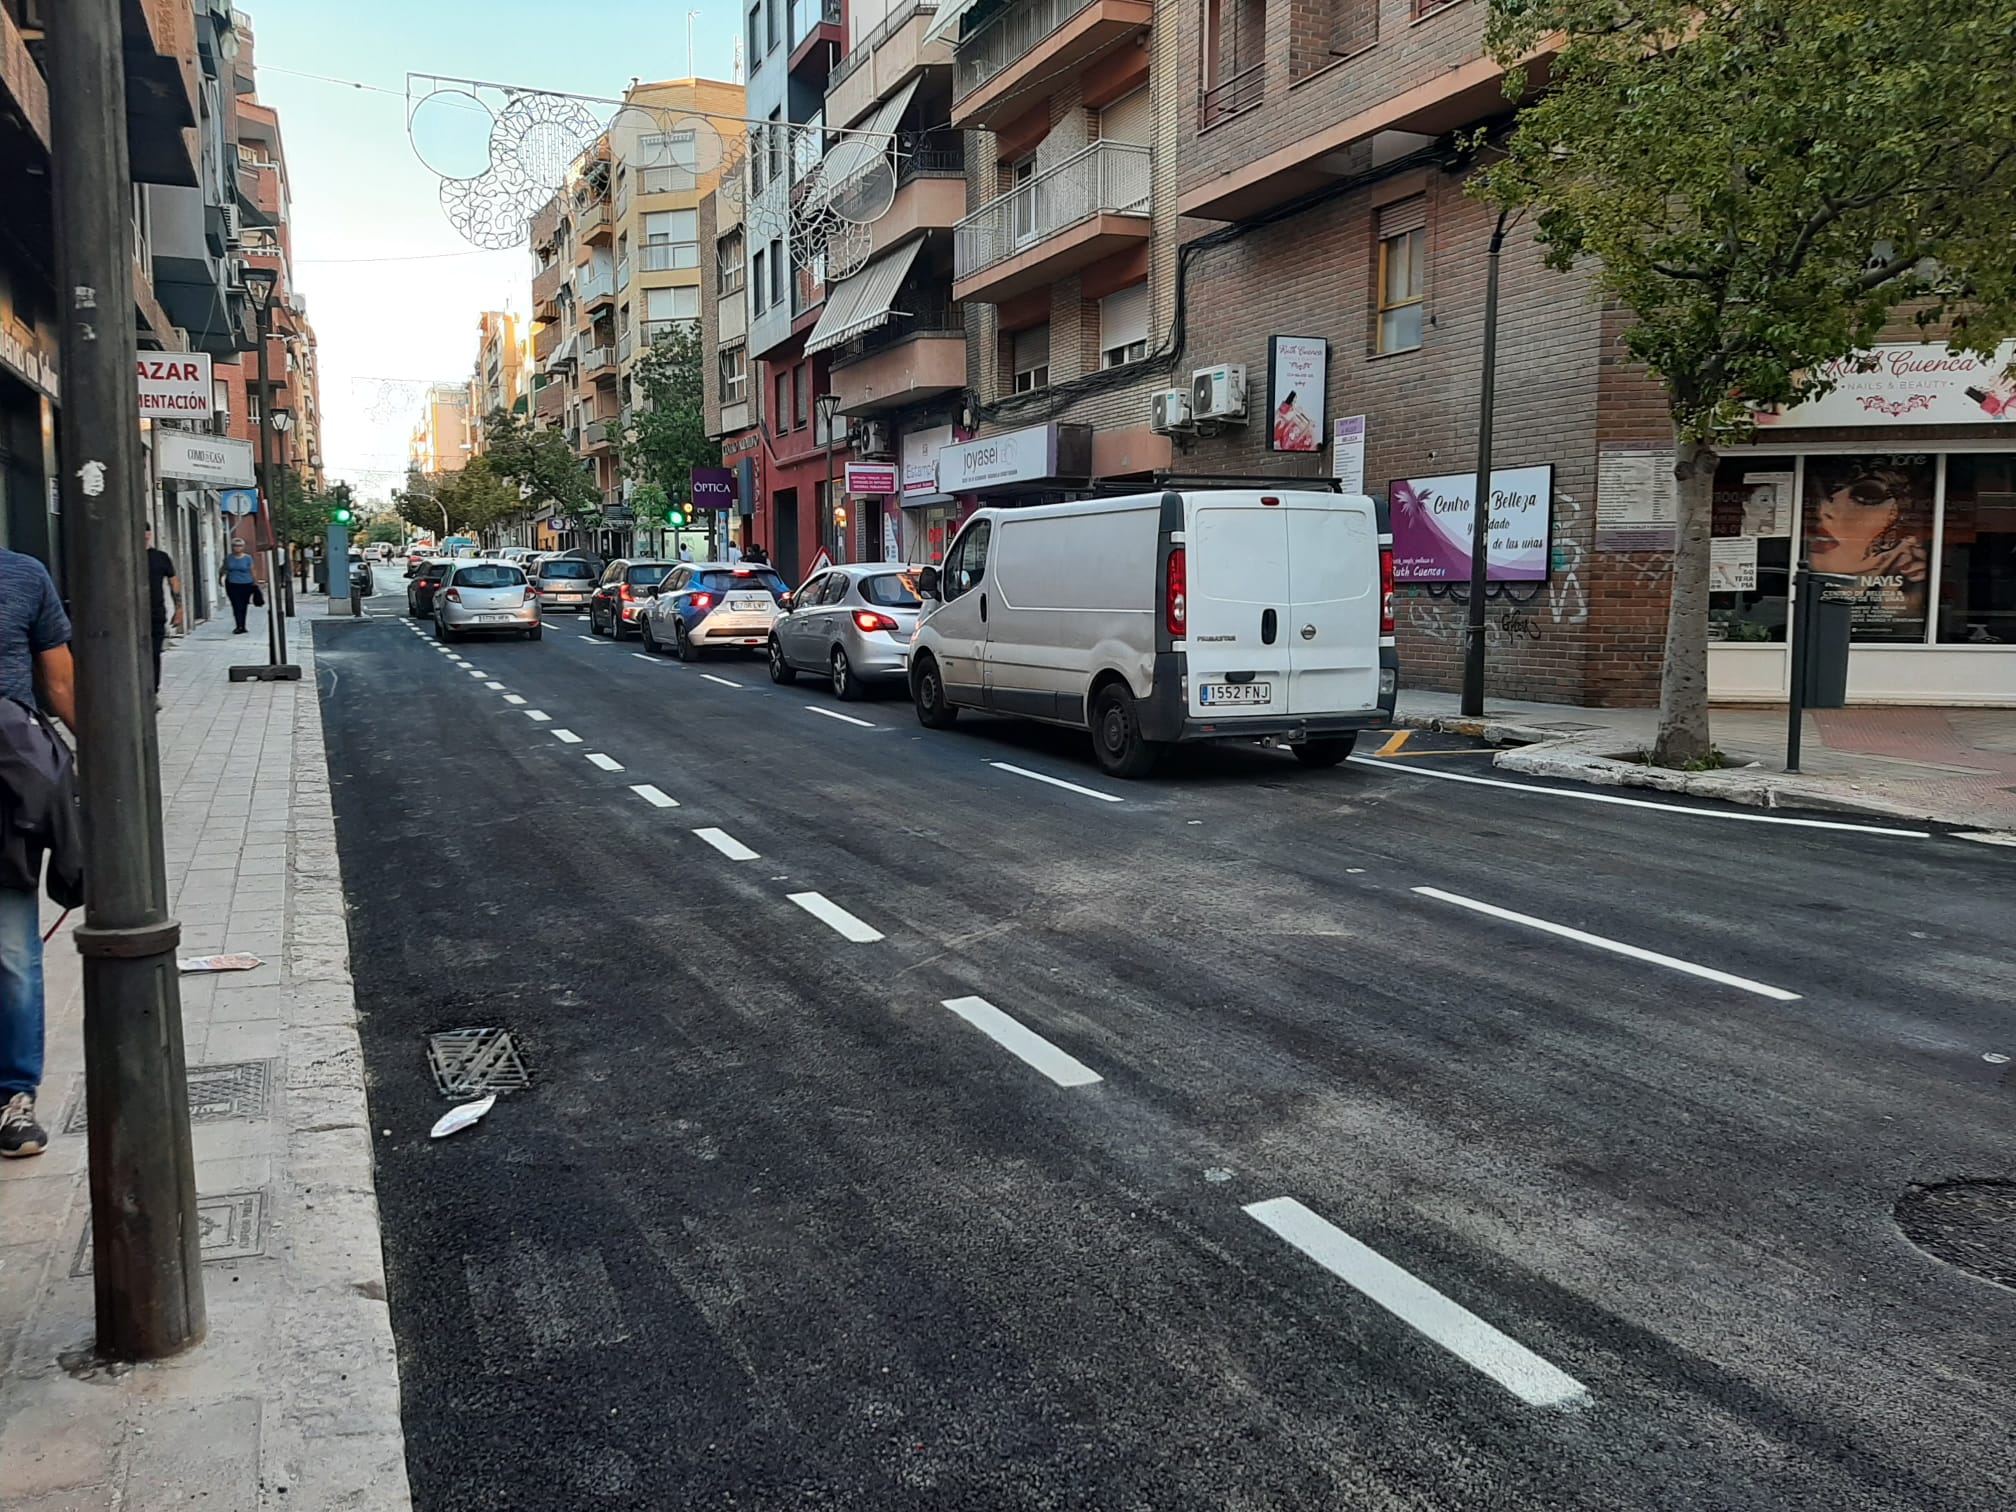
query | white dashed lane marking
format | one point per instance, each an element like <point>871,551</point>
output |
<point>1023,1042</point>
<point>565,737</point>
<point>608,764</point>
<point>727,844</point>
<point>513,699</point>
<point>829,913</point>
<point>537,716</point>
<point>721,680</point>
<point>493,686</point>
<point>843,718</point>
<point>654,796</point>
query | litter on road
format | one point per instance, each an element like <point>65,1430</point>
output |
<point>462,1115</point>
<point>219,963</point>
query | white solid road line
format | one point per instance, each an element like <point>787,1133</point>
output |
<point>826,911</point>
<point>1414,1302</point>
<point>1057,782</point>
<point>654,797</point>
<point>721,680</point>
<point>644,656</point>
<point>606,763</point>
<point>537,716</point>
<point>843,718</point>
<point>1583,937</point>
<point>565,737</point>
<point>1645,803</point>
<point>1022,1042</point>
<point>729,846</point>
<point>493,686</point>
<point>593,640</point>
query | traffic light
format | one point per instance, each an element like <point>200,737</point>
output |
<point>342,514</point>
<point>678,516</point>
<point>840,516</point>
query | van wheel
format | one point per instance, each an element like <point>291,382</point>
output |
<point>1116,734</point>
<point>846,686</point>
<point>781,671</point>
<point>1327,752</point>
<point>927,689</point>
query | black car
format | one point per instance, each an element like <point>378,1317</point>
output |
<point>621,594</point>
<point>420,590</point>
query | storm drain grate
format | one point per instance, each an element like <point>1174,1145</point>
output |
<point>230,1226</point>
<point>229,1089</point>
<point>470,1062</point>
<point>1968,1224</point>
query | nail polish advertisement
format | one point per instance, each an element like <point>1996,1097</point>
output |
<point>1298,379</point>
<point>1910,383</point>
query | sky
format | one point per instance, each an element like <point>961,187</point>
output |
<point>393,289</point>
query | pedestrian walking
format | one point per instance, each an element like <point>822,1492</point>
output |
<point>685,552</point>
<point>164,588</point>
<point>240,584</point>
<point>755,553</point>
<point>734,553</point>
<point>34,649</point>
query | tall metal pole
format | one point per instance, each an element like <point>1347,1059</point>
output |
<point>276,564</point>
<point>1480,525</point>
<point>147,1276</point>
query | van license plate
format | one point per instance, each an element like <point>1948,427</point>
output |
<point>1237,693</point>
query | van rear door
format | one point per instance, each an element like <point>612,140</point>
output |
<point>1331,627</point>
<point>1237,597</point>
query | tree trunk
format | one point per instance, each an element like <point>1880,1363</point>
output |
<point>1683,681</point>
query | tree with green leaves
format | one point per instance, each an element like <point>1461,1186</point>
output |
<point>666,435</point>
<point>467,501</point>
<point>390,532</point>
<point>1764,185</point>
<point>527,456</point>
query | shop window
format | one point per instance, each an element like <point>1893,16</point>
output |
<point>1751,563</point>
<point>1029,359</point>
<point>1123,326</point>
<point>1402,274</point>
<point>1977,557</point>
<point>1869,518</point>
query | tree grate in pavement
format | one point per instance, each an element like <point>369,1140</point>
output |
<point>471,1062</point>
<point>1968,1224</point>
<point>230,1226</point>
<point>229,1089</point>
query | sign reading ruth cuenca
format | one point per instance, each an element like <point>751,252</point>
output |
<point>175,385</point>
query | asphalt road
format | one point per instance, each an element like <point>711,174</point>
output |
<point>1273,1170</point>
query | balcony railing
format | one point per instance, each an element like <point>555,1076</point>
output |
<point>927,318</point>
<point>670,179</point>
<point>1107,178</point>
<point>651,330</point>
<point>625,345</point>
<point>925,153</point>
<point>550,402</point>
<point>545,339</point>
<point>808,15</point>
<point>623,274</point>
<point>597,357</point>
<point>664,256</point>
<point>1227,98</point>
<point>863,50</point>
<point>595,283</point>
<point>598,433</point>
<point>1006,40</point>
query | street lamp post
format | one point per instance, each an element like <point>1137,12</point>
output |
<point>829,409</point>
<point>260,285</point>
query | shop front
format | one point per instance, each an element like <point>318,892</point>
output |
<point>929,516</point>
<point>1902,483</point>
<point>1043,464</point>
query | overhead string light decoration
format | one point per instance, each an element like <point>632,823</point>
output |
<point>503,151</point>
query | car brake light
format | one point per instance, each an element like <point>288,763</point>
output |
<point>1385,590</point>
<point>627,594</point>
<point>868,619</point>
<point>703,600</point>
<point>1176,606</point>
<point>454,595</point>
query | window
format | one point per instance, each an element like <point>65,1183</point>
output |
<point>777,271</point>
<point>1870,518</point>
<point>1977,565</point>
<point>667,161</point>
<point>759,286</point>
<point>681,303</point>
<point>1751,526</point>
<point>776,137</point>
<point>835,588</point>
<point>891,590</point>
<point>671,240</point>
<point>780,416</point>
<point>1403,256</point>
<point>488,577</point>
<point>968,564</point>
<point>734,375</point>
<point>801,397</point>
<point>1235,55</point>
<point>756,36</point>
<point>728,255</point>
<point>773,13</point>
<point>759,159</point>
<point>1123,326</point>
<point>1027,191</point>
<point>1029,359</point>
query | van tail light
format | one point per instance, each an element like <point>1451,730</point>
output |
<point>454,595</point>
<point>1385,590</point>
<point>867,619</point>
<point>1176,595</point>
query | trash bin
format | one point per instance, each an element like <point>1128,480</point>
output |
<point>1824,630</point>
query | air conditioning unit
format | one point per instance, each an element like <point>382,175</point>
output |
<point>1219,393</point>
<point>235,272</point>
<point>869,438</point>
<point>234,224</point>
<point>1169,413</point>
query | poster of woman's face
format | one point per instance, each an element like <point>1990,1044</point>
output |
<point>1870,518</point>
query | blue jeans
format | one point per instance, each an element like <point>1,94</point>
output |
<point>20,992</point>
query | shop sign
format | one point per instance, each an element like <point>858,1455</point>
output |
<point>1347,454</point>
<point>892,539</point>
<point>1298,379</point>
<point>19,351</point>
<point>866,479</point>
<point>713,488</point>
<point>1039,453</point>
<point>1433,519</point>
<point>920,460</point>
<point>1909,383</point>
<point>1732,564</point>
<point>197,458</point>
<point>175,385</point>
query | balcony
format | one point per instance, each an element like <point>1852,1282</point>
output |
<point>887,58</point>
<point>670,178</point>
<point>1232,96</point>
<point>623,274</point>
<point>593,226</point>
<point>1003,69</point>
<point>596,286</point>
<point>651,330</point>
<point>625,345</point>
<point>816,37</point>
<point>598,435</point>
<point>906,361</point>
<point>546,290</point>
<point>666,256</point>
<point>1089,206</point>
<point>598,362</point>
<point>545,340</point>
<point>550,402</point>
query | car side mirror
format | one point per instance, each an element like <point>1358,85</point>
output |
<point>788,602</point>
<point>927,582</point>
<point>654,590</point>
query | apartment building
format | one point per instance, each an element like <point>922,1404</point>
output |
<point>443,439</point>
<point>498,381</point>
<point>729,399</point>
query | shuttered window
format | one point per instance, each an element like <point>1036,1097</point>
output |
<point>1123,326</point>
<point>1402,273</point>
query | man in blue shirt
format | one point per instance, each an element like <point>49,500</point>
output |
<point>34,648</point>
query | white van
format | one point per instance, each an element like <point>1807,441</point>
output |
<point>1157,618</point>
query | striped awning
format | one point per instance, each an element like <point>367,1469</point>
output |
<point>861,303</point>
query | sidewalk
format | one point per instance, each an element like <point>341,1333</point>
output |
<point>1949,766</point>
<point>293,1399</point>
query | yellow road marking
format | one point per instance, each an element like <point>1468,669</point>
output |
<point>1393,743</point>
<point>1461,751</point>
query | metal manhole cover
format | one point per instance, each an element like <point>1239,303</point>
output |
<point>1969,1224</point>
<point>230,1089</point>
<point>231,1225</point>
<point>470,1062</point>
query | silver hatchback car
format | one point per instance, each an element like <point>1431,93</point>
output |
<point>564,582</point>
<point>486,598</point>
<point>850,625</point>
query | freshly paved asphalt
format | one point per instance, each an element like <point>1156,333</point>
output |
<point>773,1228</point>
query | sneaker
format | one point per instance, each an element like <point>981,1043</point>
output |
<point>20,1135</point>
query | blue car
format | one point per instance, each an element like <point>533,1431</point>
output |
<point>703,605</point>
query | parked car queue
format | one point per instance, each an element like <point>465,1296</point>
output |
<point>1146,621</point>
